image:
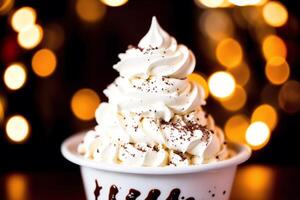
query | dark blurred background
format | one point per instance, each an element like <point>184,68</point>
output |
<point>69,51</point>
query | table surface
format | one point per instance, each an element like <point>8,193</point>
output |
<point>252,182</point>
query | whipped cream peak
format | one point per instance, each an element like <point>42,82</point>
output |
<point>154,114</point>
<point>156,36</point>
<point>157,54</point>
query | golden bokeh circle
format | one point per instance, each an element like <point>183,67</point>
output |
<point>17,128</point>
<point>235,128</point>
<point>84,104</point>
<point>235,101</point>
<point>114,3</point>
<point>229,52</point>
<point>257,135</point>
<point>30,37</point>
<point>43,62</point>
<point>273,46</point>
<point>23,19</point>
<point>15,76</point>
<point>267,114</point>
<point>221,84</point>
<point>277,70</point>
<point>275,14</point>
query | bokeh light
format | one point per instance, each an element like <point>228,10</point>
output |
<point>229,52</point>
<point>235,101</point>
<point>244,2</point>
<point>267,114</point>
<point>6,6</point>
<point>212,3</point>
<point>15,76</point>
<point>277,70</point>
<point>240,73</point>
<point>256,181</point>
<point>90,10</point>
<point>1,112</point>
<point>235,128</point>
<point>257,135</point>
<point>23,19</point>
<point>216,24</point>
<point>17,187</point>
<point>84,104</point>
<point>289,97</point>
<point>17,128</point>
<point>221,84</point>
<point>273,46</point>
<point>44,62</point>
<point>201,81</point>
<point>114,3</point>
<point>275,14</point>
<point>30,37</point>
<point>2,108</point>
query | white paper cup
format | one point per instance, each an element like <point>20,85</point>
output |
<point>106,181</point>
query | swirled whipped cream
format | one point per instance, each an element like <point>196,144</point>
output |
<point>154,115</point>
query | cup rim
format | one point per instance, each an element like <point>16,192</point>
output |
<point>69,151</point>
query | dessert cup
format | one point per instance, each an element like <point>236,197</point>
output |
<point>104,181</point>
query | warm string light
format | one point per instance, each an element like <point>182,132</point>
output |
<point>275,14</point>
<point>84,103</point>
<point>257,135</point>
<point>44,62</point>
<point>221,84</point>
<point>23,19</point>
<point>213,3</point>
<point>229,53</point>
<point>17,128</point>
<point>273,46</point>
<point>235,101</point>
<point>15,76</point>
<point>235,128</point>
<point>114,3</point>
<point>267,114</point>
<point>29,33</point>
<point>244,2</point>
<point>277,70</point>
<point>31,37</point>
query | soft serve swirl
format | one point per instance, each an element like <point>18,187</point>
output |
<point>154,115</point>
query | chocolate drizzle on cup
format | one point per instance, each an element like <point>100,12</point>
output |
<point>97,190</point>
<point>174,194</point>
<point>133,194</point>
<point>113,191</point>
<point>153,194</point>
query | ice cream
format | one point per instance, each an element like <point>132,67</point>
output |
<point>154,114</point>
